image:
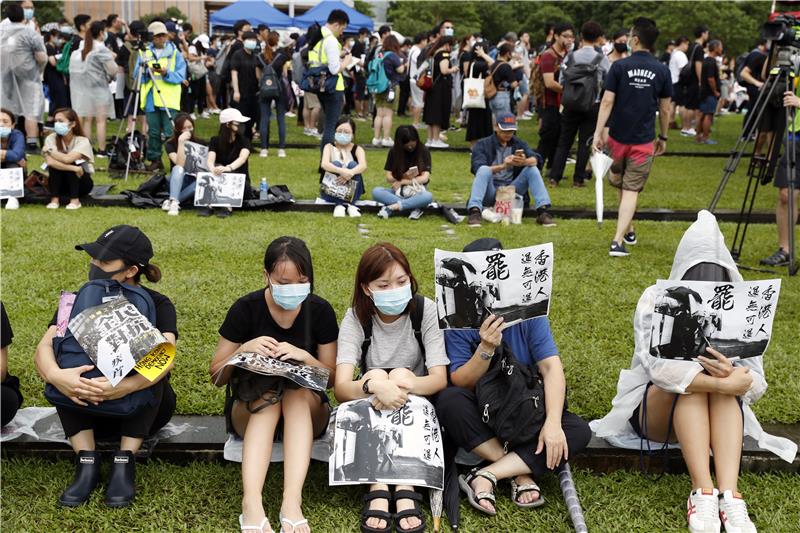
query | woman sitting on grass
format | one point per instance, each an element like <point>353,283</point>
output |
<point>287,322</point>
<point>701,405</point>
<point>383,297</point>
<point>181,183</point>
<point>12,148</point>
<point>228,153</point>
<point>346,162</point>
<point>408,171</point>
<point>69,157</point>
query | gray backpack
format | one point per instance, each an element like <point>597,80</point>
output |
<point>582,84</point>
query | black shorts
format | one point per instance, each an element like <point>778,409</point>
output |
<point>692,96</point>
<point>678,94</point>
<point>781,180</point>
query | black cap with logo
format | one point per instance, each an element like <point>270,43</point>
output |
<point>486,244</point>
<point>120,242</point>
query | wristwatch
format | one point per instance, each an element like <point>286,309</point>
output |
<point>663,138</point>
<point>365,386</point>
<point>486,356</point>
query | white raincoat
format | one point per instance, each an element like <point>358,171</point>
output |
<point>702,243</point>
<point>88,82</point>
<point>20,75</point>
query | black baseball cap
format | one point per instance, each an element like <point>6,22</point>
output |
<point>486,244</point>
<point>120,242</point>
<point>137,27</point>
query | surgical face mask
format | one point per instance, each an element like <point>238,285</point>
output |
<point>393,301</point>
<point>65,29</point>
<point>290,295</point>
<point>61,128</point>
<point>343,138</point>
<point>621,48</point>
<point>28,12</point>
<point>4,132</point>
<point>95,272</point>
<point>448,32</point>
<point>250,44</point>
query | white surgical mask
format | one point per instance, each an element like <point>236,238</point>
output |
<point>448,32</point>
<point>28,13</point>
<point>250,44</point>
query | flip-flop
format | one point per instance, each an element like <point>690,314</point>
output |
<point>516,490</point>
<point>475,498</point>
<point>292,524</point>
<point>259,528</point>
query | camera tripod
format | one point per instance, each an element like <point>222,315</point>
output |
<point>762,167</point>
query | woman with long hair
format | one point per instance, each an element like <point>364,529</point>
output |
<point>228,153</point>
<point>277,60</point>
<point>346,161</point>
<point>183,164</point>
<point>395,67</point>
<point>69,158</point>
<point>408,171</point>
<point>438,100</point>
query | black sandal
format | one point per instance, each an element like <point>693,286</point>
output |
<point>476,497</point>
<point>368,513</point>
<point>416,512</point>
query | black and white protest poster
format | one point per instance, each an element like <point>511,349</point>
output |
<point>118,339</point>
<point>310,377</point>
<point>401,447</point>
<point>733,318</point>
<point>333,185</point>
<point>12,184</point>
<point>225,190</point>
<point>514,284</point>
<point>196,158</point>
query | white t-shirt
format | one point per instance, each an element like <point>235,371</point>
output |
<point>412,61</point>
<point>677,61</point>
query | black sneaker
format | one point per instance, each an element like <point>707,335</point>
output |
<point>630,238</point>
<point>451,215</point>
<point>618,250</point>
<point>223,212</point>
<point>204,211</point>
<point>474,220</point>
<point>779,258</point>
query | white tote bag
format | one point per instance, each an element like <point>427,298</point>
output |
<point>473,92</point>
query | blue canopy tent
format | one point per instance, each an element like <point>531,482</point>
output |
<point>254,11</point>
<point>320,12</point>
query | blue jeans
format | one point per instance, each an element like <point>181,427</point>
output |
<point>484,187</point>
<point>501,103</point>
<point>387,196</point>
<point>280,115</point>
<point>179,189</point>
<point>359,190</point>
<point>332,105</point>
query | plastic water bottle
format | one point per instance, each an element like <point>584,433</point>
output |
<point>390,96</point>
<point>263,189</point>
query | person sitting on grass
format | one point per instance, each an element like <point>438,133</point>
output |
<point>9,385</point>
<point>563,435</point>
<point>69,157</point>
<point>287,322</point>
<point>228,153</point>
<point>394,364</point>
<point>347,161</point>
<point>181,183</point>
<point>701,406</point>
<point>121,253</point>
<point>505,159</point>
<point>12,148</point>
<point>408,171</point>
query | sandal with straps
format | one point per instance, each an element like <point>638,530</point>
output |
<point>475,498</point>
<point>259,528</point>
<point>517,490</point>
<point>416,512</point>
<point>291,524</point>
<point>368,513</point>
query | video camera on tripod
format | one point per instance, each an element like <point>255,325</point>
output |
<point>783,32</point>
<point>143,38</point>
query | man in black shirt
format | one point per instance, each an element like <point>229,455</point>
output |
<point>244,80</point>
<point>753,76</point>
<point>359,53</point>
<point>695,56</point>
<point>709,93</point>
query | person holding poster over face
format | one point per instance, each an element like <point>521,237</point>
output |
<point>699,405</point>
<point>228,152</point>
<point>285,321</point>
<point>558,436</point>
<point>136,407</point>
<point>378,334</point>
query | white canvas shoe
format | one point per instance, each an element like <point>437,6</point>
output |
<point>733,513</point>
<point>174,208</point>
<point>702,511</point>
<point>339,211</point>
<point>12,203</point>
<point>352,211</point>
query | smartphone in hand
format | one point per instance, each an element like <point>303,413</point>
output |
<point>413,172</point>
<point>519,153</point>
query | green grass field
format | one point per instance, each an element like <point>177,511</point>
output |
<point>209,263</point>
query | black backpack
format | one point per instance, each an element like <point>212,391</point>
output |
<point>269,86</point>
<point>119,148</point>
<point>511,399</point>
<point>416,323</point>
<point>741,62</point>
<point>687,73</point>
<point>582,84</point>
<point>313,36</point>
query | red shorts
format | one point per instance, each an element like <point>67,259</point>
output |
<point>631,165</point>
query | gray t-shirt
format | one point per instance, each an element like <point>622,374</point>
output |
<point>393,345</point>
<point>505,176</point>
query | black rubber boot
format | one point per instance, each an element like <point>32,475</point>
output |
<point>87,475</point>
<point>121,479</point>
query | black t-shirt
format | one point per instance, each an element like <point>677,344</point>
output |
<point>664,58</point>
<point>695,55</point>
<point>503,76</point>
<point>123,56</point>
<point>245,63</point>
<point>755,62</point>
<point>6,334</point>
<point>410,160</point>
<point>224,158</point>
<point>359,49</point>
<point>50,70</point>
<point>710,70</point>
<point>249,317</point>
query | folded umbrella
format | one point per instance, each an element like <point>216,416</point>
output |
<point>600,164</point>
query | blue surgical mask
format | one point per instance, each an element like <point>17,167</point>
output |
<point>250,44</point>
<point>61,128</point>
<point>28,12</point>
<point>448,32</point>
<point>290,295</point>
<point>4,132</point>
<point>393,301</point>
<point>342,138</point>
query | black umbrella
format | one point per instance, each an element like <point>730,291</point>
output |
<point>451,496</point>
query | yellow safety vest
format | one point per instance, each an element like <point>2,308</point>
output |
<point>171,92</point>
<point>318,57</point>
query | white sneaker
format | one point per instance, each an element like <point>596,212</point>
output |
<point>384,213</point>
<point>194,117</point>
<point>174,208</point>
<point>528,113</point>
<point>352,211</point>
<point>216,111</point>
<point>52,205</point>
<point>703,511</point>
<point>387,142</point>
<point>205,114</point>
<point>489,215</point>
<point>691,132</point>
<point>439,144</point>
<point>306,131</point>
<point>72,207</point>
<point>428,143</point>
<point>314,133</point>
<point>733,513</point>
<point>376,141</point>
<point>165,204</point>
<point>415,214</point>
<point>12,203</point>
<point>281,152</point>
<point>339,211</point>
<point>290,114</point>
<point>264,153</point>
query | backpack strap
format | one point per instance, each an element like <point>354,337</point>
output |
<point>597,59</point>
<point>365,345</point>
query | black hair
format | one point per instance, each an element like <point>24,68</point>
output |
<point>548,27</point>
<point>337,16</point>
<point>249,35</point>
<point>700,30</point>
<point>346,119</point>
<point>179,124</point>
<point>111,19</point>
<point>402,136</point>
<point>619,33</point>
<point>680,40</point>
<point>505,49</point>
<point>290,249</point>
<point>591,31</point>
<point>239,24</point>
<point>262,27</point>
<point>80,20</point>
<point>15,13</point>
<point>707,272</point>
<point>714,44</point>
<point>294,36</point>
<point>561,27</point>
<point>645,29</point>
<point>383,30</point>
<point>761,42</point>
<point>150,271</point>
<point>418,38</point>
<point>187,28</point>
<point>8,112</point>
<point>363,31</point>
<point>225,141</point>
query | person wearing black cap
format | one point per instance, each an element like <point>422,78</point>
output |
<point>563,434</point>
<point>121,253</point>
